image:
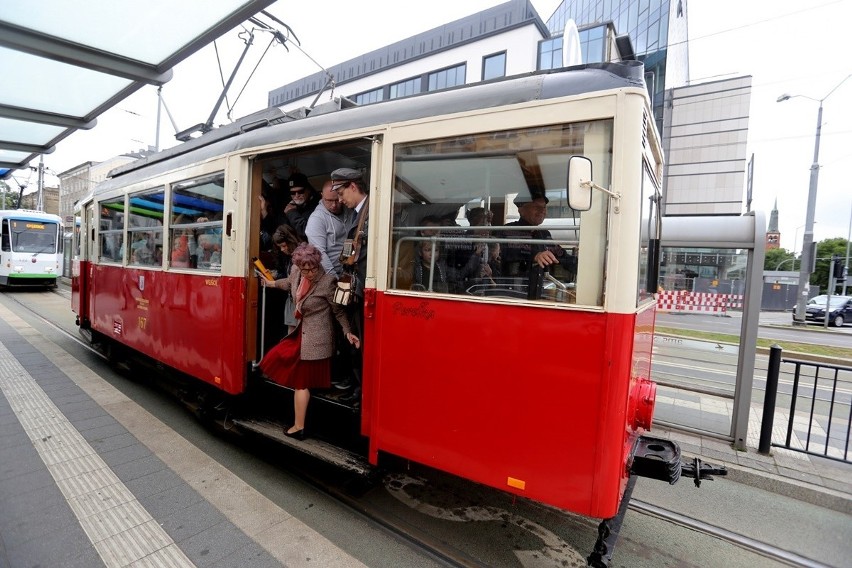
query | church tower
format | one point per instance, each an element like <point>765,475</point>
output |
<point>773,237</point>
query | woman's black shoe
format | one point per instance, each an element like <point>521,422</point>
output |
<point>298,434</point>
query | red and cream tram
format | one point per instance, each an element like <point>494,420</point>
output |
<point>540,388</point>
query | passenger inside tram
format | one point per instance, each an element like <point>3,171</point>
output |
<point>530,261</point>
<point>428,269</point>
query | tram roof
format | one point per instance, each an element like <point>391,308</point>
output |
<point>72,61</point>
<point>273,125</point>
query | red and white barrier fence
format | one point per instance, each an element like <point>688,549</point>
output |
<point>685,301</point>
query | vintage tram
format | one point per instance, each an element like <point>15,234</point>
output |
<point>540,387</point>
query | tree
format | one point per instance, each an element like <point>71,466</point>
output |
<point>825,250</point>
<point>8,196</point>
<point>780,259</point>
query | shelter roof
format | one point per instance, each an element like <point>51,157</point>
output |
<point>65,63</point>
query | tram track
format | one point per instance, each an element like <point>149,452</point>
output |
<point>74,337</point>
<point>742,541</point>
<point>417,540</point>
<point>350,491</point>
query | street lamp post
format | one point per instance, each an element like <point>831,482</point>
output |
<point>796,238</point>
<point>808,238</point>
<point>848,246</point>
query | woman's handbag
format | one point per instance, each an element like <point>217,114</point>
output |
<point>290,311</point>
<point>343,291</point>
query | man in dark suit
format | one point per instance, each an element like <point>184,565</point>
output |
<point>352,192</point>
<point>529,260</point>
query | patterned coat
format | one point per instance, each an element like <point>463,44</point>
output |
<point>317,308</point>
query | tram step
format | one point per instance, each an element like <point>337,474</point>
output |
<point>340,457</point>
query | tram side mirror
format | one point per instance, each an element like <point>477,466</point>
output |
<point>579,195</point>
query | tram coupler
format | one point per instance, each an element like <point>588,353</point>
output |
<point>656,458</point>
<point>659,458</point>
<point>699,470</point>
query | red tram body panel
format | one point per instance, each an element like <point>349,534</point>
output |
<point>193,323</point>
<point>459,393</point>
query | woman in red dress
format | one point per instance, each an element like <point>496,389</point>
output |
<point>302,360</point>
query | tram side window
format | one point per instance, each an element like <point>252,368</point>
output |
<point>145,228</point>
<point>111,230</point>
<point>451,193</point>
<point>6,246</point>
<point>196,223</point>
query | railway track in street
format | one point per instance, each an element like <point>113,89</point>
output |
<point>763,549</point>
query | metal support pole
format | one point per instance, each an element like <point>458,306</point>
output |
<point>848,244</point>
<point>808,238</point>
<point>40,196</point>
<point>830,291</point>
<point>769,399</point>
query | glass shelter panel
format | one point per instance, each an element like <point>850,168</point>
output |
<point>450,195</point>
<point>702,290</point>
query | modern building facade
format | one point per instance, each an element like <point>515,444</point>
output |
<point>497,42</point>
<point>657,30</point>
<point>705,133</point>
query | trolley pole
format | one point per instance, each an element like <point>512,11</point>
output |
<point>769,399</point>
<point>40,205</point>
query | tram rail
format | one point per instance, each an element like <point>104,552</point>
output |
<point>742,541</point>
<point>350,488</point>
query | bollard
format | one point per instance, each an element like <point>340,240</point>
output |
<point>769,399</point>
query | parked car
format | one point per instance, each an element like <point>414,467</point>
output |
<point>839,309</point>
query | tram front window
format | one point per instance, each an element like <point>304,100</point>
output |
<point>31,237</point>
<point>450,195</point>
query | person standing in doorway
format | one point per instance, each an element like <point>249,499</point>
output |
<point>302,360</point>
<point>327,227</point>
<point>352,191</point>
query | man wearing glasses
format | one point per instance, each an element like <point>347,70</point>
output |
<point>352,193</point>
<point>327,227</point>
<point>303,201</point>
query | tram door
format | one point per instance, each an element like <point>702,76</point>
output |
<point>81,264</point>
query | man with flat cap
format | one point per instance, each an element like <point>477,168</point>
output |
<point>352,192</point>
<point>529,260</point>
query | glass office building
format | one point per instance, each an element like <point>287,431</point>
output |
<point>657,30</point>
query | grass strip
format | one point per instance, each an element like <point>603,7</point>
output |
<point>787,346</point>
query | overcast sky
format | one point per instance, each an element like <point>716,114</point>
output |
<point>787,46</point>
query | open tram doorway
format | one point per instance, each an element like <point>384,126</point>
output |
<point>286,189</point>
<point>710,282</point>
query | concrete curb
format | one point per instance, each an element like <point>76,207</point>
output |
<point>797,489</point>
